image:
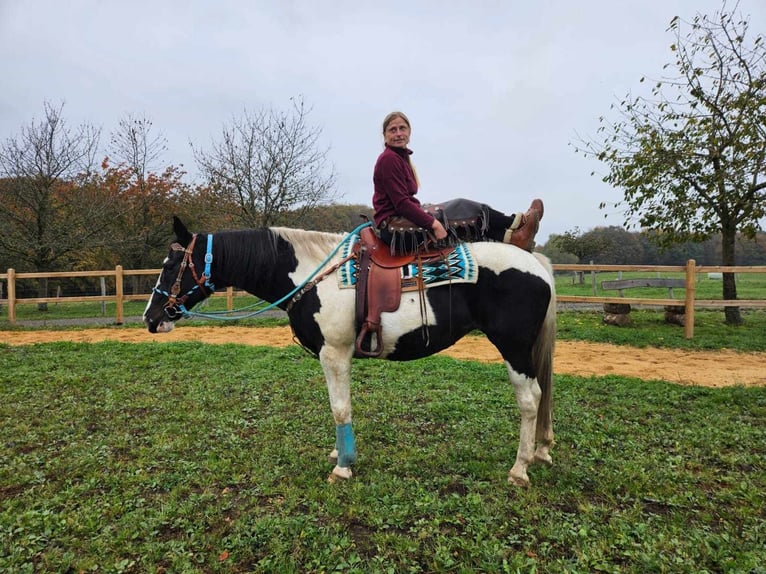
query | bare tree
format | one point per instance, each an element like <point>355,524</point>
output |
<point>269,163</point>
<point>134,145</point>
<point>143,195</point>
<point>48,208</point>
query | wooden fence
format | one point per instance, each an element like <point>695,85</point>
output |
<point>690,303</point>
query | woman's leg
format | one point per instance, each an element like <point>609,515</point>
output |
<point>518,229</point>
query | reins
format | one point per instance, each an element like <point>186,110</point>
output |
<point>235,314</point>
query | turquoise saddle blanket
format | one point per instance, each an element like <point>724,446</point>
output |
<point>458,267</point>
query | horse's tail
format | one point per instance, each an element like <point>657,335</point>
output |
<point>542,357</point>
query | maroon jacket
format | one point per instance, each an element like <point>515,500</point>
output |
<point>395,189</point>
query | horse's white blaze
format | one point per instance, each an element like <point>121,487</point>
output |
<point>528,395</point>
<point>156,286</point>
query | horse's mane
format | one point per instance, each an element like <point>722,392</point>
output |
<point>315,244</point>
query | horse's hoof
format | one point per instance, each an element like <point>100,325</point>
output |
<point>520,481</point>
<point>544,458</point>
<point>332,458</point>
<point>339,473</point>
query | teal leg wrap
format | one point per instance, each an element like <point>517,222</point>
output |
<point>346,445</point>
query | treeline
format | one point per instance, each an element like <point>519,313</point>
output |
<point>616,246</point>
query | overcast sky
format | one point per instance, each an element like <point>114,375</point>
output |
<point>496,90</point>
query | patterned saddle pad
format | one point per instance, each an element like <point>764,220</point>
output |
<point>459,267</point>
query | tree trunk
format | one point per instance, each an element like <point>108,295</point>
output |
<point>42,291</point>
<point>728,237</point>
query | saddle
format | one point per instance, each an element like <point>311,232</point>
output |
<point>379,285</point>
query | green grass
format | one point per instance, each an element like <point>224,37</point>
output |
<point>649,329</point>
<point>186,457</point>
<point>749,286</point>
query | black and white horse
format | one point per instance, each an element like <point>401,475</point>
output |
<point>511,300</point>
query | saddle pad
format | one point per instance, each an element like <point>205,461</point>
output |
<point>459,267</point>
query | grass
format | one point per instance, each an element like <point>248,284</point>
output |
<point>749,286</point>
<point>186,457</point>
<point>649,329</point>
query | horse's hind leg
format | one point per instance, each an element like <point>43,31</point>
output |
<point>336,364</point>
<point>544,435</point>
<point>528,399</point>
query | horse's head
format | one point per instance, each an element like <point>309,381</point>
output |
<point>183,282</point>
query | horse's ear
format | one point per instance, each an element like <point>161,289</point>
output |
<point>182,234</point>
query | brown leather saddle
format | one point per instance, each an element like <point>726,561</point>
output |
<point>379,286</point>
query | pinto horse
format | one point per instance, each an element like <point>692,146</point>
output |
<point>511,299</point>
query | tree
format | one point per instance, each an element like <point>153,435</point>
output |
<point>269,163</point>
<point>617,245</point>
<point>49,208</point>
<point>691,158</point>
<point>144,196</point>
<point>583,246</point>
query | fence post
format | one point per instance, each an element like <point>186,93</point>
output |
<point>229,298</point>
<point>691,286</point>
<point>118,293</point>
<point>12,296</point>
<point>103,294</point>
<point>593,280</point>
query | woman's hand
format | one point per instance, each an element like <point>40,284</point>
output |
<point>438,229</point>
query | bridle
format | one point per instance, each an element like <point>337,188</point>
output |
<point>176,305</point>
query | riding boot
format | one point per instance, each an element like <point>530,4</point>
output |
<point>522,231</point>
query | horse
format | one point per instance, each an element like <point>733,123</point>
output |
<point>511,300</point>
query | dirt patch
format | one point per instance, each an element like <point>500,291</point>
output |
<point>712,369</point>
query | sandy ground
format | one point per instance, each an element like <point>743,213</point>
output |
<point>713,369</point>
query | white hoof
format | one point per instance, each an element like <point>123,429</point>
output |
<point>518,477</point>
<point>332,458</point>
<point>339,473</point>
<point>542,457</point>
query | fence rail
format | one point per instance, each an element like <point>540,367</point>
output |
<point>689,302</point>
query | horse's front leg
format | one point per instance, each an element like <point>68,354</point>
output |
<point>528,395</point>
<point>336,364</point>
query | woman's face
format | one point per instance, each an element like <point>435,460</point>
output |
<point>397,133</point>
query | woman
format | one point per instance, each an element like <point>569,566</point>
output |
<point>398,210</point>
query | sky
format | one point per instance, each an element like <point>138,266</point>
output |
<point>497,91</point>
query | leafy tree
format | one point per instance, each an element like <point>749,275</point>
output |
<point>552,250</point>
<point>268,163</point>
<point>585,246</point>
<point>691,158</point>
<point>49,208</point>
<point>617,245</point>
